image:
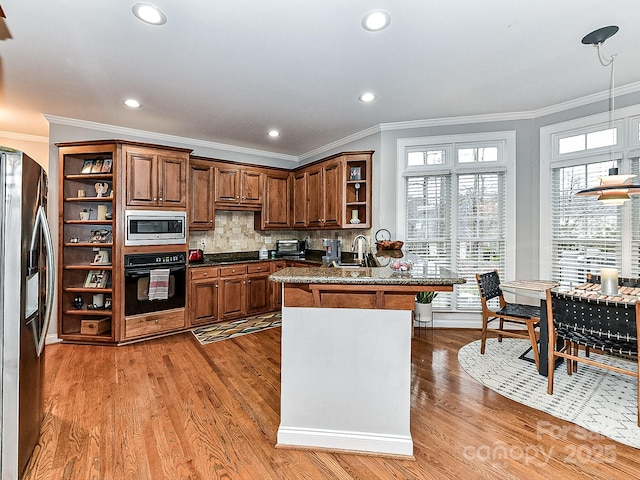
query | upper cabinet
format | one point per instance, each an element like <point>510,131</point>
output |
<point>238,188</point>
<point>276,206</point>
<point>324,195</point>
<point>156,177</point>
<point>333,193</point>
<point>201,195</point>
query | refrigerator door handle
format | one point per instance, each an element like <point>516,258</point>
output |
<point>41,222</point>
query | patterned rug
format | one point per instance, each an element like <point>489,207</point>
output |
<point>235,328</point>
<point>594,398</point>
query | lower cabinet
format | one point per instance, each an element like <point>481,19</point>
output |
<point>203,303</point>
<point>233,291</point>
<point>154,324</point>
<point>258,291</point>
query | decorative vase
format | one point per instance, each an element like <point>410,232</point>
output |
<point>84,215</point>
<point>423,315</point>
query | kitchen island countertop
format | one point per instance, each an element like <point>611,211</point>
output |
<point>364,276</point>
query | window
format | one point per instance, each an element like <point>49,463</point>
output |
<point>579,235</point>
<point>456,208</point>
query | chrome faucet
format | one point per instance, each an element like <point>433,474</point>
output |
<point>362,252</point>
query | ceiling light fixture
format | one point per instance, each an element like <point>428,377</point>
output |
<point>149,14</point>
<point>613,189</point>
<point>130,102</point>
<point>376,20</point>
<point>367,97</point>
<point>274,133</point>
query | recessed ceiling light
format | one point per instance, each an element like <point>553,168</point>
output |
<point>376,20</point>
<point>149,14</point>
<point>274,133</point>
<point>367,97</point>
<point>130,102</point>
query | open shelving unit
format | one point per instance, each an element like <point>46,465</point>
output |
<point>357,193</point>
<point>83,241</point>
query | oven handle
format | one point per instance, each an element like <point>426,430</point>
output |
<point>142,272</point>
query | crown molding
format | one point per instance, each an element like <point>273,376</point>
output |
<point>25,137</point>
<point>171,139</point>
<point>338,143</point>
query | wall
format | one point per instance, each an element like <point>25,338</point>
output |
<point>34,146</point>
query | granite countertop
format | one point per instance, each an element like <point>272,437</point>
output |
<point>364,276</point>
<point>214,259</point>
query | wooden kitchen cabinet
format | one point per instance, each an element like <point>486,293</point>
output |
<point>258,289</point>
<point>324,195</point>
<point>300,198</point>
<point>276,287</point>
<point>233,291</point>
<point>201,195</point>
<point>357,190</point>
<point>203,295</point>
<point>238,188</point>
<point>276,205</point>
<point>156,177</point>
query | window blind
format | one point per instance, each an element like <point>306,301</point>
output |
<point>586,235</point>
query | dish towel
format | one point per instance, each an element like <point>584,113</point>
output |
<point>159,284</point>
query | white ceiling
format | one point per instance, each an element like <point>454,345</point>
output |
<point>228,71</point>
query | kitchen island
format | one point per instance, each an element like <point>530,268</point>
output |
<point>346,357</point>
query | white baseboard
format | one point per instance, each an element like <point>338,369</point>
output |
<point>341,440</point>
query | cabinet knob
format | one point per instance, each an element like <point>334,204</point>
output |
<point>160,198</point>
<point>155,199</point>
<point>216,285</point>
<point>204,274</point>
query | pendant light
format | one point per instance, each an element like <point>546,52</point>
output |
<point>613,189</point>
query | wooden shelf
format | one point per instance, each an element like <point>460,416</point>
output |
<point>96,312</point>
<point>88,199</point>
<point>88,222</point>
<point>97,266</point>
<point>89,244</point>
<point>87,290</point>
<point>90,176</point>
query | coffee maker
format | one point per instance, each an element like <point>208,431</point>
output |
<point>333,251</point>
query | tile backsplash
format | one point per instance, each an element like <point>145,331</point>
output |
<point>234,232</point>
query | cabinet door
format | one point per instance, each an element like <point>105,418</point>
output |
<point>227,185</point>
<point>251,187</point>
<point>331,197</point>
<point>276,208</point>
<point>232,296</point>
<point>172,181</point>
<point>204,302</point>
<point>300,200</point>
<point>314,193</point>
<point>201,212</point>
<point>142,184</point>
<point>276,287</point>
<point>258,293</point>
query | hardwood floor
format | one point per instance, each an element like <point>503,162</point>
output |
<point>173,409</point>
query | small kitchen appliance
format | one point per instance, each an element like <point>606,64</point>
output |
<point>290,248</point>
<point>333,250</point>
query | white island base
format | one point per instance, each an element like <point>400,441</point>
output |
<point>346,377</point>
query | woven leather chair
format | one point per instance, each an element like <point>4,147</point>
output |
<point>528,315</point>
<point>603,325</point>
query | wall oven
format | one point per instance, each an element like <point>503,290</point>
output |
<point>142,272</point>
<point>155,227</point>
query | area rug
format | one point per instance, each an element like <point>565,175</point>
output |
<point>235,328</point>
<point>594,398</point>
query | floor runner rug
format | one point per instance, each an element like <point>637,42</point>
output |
<point>594,398</point>
<point>235,328</point>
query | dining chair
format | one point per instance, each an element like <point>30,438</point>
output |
<point>605,326</point>
<point>514,313</point>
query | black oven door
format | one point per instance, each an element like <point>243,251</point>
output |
<point>136,295</point>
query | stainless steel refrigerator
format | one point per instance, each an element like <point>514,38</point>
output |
<point>27,280</point>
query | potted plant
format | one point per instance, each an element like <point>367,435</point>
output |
<point>423,308</point>
<point>85,213</point>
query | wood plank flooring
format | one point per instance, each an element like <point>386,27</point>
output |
<point>173,409</point>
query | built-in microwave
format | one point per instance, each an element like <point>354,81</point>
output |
<point>155,227</point>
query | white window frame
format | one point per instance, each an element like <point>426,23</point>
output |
<point>627,147</point>
<point>507,140</point>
